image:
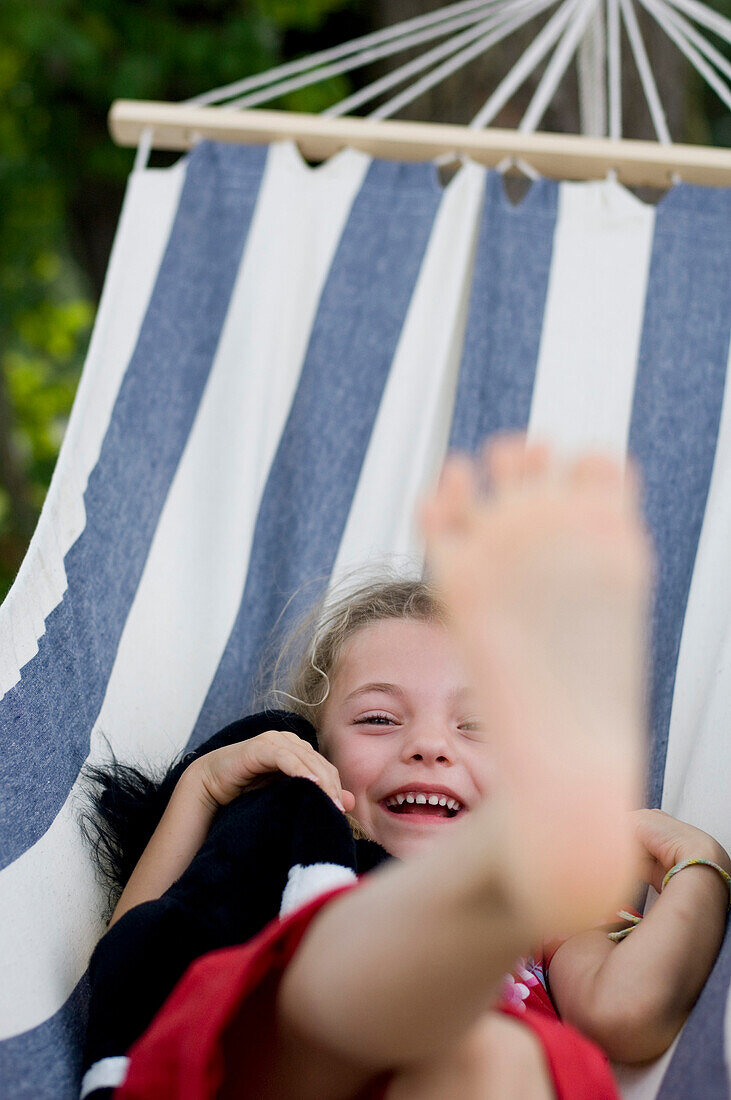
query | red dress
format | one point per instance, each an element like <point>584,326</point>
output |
<point>228,997</point>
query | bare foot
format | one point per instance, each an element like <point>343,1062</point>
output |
<point>546,578</point>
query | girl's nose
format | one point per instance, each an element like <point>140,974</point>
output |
<point>428,744</point>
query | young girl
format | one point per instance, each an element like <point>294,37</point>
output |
<point>487,733</point>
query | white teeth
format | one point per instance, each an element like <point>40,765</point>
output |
<point>421,799</point>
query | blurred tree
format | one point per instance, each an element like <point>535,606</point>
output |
<point>62,63</point>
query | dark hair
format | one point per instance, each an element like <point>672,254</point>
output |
<point>122,807</point>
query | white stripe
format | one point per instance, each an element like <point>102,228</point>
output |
<point>304,883</point>
<point>108,1073</point>
<point>698,761</point>
<point>195,572</point>
<point>411,431</point>
<point>50,918</point>
<point>194,577</point>
<point>149,207</point>
<point>592,323</point>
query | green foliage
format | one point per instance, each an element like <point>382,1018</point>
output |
<point>303,14</point>
<point>41,377</point>
<point>62,64</point>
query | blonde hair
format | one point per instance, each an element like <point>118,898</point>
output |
<point>302,673</point>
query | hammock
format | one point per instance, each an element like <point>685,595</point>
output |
<point>281,358</point>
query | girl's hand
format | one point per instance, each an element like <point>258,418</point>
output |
<point>664,841</point>
<point>226,772</point>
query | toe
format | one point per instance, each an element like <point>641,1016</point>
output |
<point>538,460</point>
<point>617,480</point>
<point>447,508</point>
<point>597,473</point>
<point>457,489</point>
<point>503,459</point>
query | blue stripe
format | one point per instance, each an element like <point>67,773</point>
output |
<point>505,317</point>
<point>674,428</point>
<point>698,1067</point>
<point>45,1062</point>
<point>315,471</point>
<point>46,719</point>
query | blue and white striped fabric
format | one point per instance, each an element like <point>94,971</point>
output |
<point>281,358</point>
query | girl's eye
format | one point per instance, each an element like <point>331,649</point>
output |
<point>471,727</point>
<point>374,720</point>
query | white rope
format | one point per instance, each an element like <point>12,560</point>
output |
<point>365,57</point>
<point>570,22</point>
<point>556,67</point>
<point>704,15</point>
<point>525,65</point>
<point>615,72</point>
<point>446,20</point>
<point>419,63</point>
<point>355,46</point>
<point>591,61</point>
<point>531,8</point>
<point>447,16</point>
<point>526,168</point>
<point>143,150</point>
<point>692,35</point>
<point>643,66</point>
<point>668,24</point>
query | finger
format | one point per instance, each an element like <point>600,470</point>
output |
<point>330,777</point>
<point>320,770</point>
<point>286,752</point>
<point>292,764</point>
<point>233,768</point>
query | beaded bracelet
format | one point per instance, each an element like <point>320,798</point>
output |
<point>634,920</point>
<point>691,863</point>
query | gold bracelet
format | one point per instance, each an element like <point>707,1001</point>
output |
<point>692,863</point>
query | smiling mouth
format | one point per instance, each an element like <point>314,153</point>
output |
<point>418,813</point>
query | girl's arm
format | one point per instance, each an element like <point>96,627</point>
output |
<point>210,782</point>
<point>633,997</point>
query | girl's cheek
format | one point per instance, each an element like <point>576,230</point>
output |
<point>359,774</point>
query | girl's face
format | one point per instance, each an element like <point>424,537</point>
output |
<point>401,728</point>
